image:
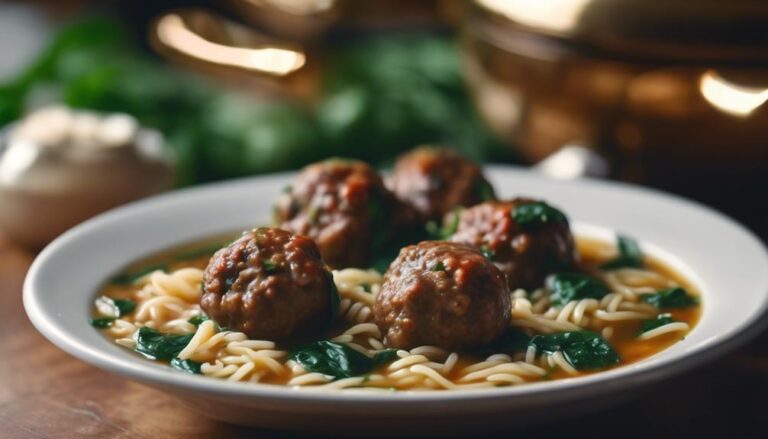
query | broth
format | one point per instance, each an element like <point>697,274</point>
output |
<point>623,335</point>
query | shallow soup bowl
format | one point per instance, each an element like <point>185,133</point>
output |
<point>726,263</point>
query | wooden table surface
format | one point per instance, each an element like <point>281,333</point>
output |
<point>46,393</point>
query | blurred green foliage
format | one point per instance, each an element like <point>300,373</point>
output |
<point>381,96</point>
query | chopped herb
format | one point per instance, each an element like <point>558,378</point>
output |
<point>537,213</point>
<point>675,297</point>
<point>102,323</point>
<point>157,345</point>
<point>583,349</point>
<point>487,252</point>
<point>129,278</point>
<point>658,322</point>
<point>439,266</point>
<point>270,266</point>
<point>198,319</point>
<point>438,232</point>
<point>566,287</point>
<point>337,360</point>
<point>630,255</point>
<point>187,366</point>
<point>124,306</point>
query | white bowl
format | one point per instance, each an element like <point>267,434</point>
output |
<point>727,263</point>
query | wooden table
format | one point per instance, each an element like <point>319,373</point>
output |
<point>46,393</point>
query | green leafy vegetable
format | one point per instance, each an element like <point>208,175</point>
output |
<point>630,255</point>
<point>188,366</point>
<point>484,190</point>
<point>510,342</point>
<point>439,266</point>
<point>129,278</point>
<point>487,252</point>
<point>675,297</point>
<point>124,306</point>
<point>198,319</point>
<point>102,323</point>
<point>535,214</point>
<point>337,360</point>
<point>566,287</point>
<point>438,232</point>
<point>583,349</point>
<point>157,345</point>
<point>659,321</point>
<point>270,266</point>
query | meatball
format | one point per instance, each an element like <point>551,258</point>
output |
<point>270,285</point>
<point>344,206</point>
<point>435,181</point>
<point>526,239</point>
<point>443,294</point>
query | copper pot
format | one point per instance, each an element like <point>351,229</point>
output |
<point>273,47</point>
<point>668,91</point>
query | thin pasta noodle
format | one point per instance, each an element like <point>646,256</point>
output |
<point>166,301</point>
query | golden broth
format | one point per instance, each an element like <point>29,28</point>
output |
<point>592,253</point>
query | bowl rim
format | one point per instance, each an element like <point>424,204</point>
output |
<point>628,376</point>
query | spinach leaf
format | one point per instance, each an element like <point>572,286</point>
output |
<point>129,278</point>
<point>188,366</point>
<point>675,297</point>
<point>534,214</point>
<point>102,323</point>
<point>156,345</point>
<point>437,232</point>
<point>583,349</point>
<point>198,319</point>
<point>630,255</point>
<point>566,287</point>
<point>510,342</point>
<point>658,322</point>
<point>337,360</point>
<point>124,306</point>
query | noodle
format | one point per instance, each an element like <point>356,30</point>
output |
<point>167,302</point>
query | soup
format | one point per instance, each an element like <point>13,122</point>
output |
<point>166,299</point>
<point>526,302</point>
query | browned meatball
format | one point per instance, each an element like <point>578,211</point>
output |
<point>270,285</point>
<point>344,206</point>
<point>526,239</point>
<point>443,294</point>
<point>435,181</point>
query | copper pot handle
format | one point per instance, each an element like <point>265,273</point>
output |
<point>204,40</point>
